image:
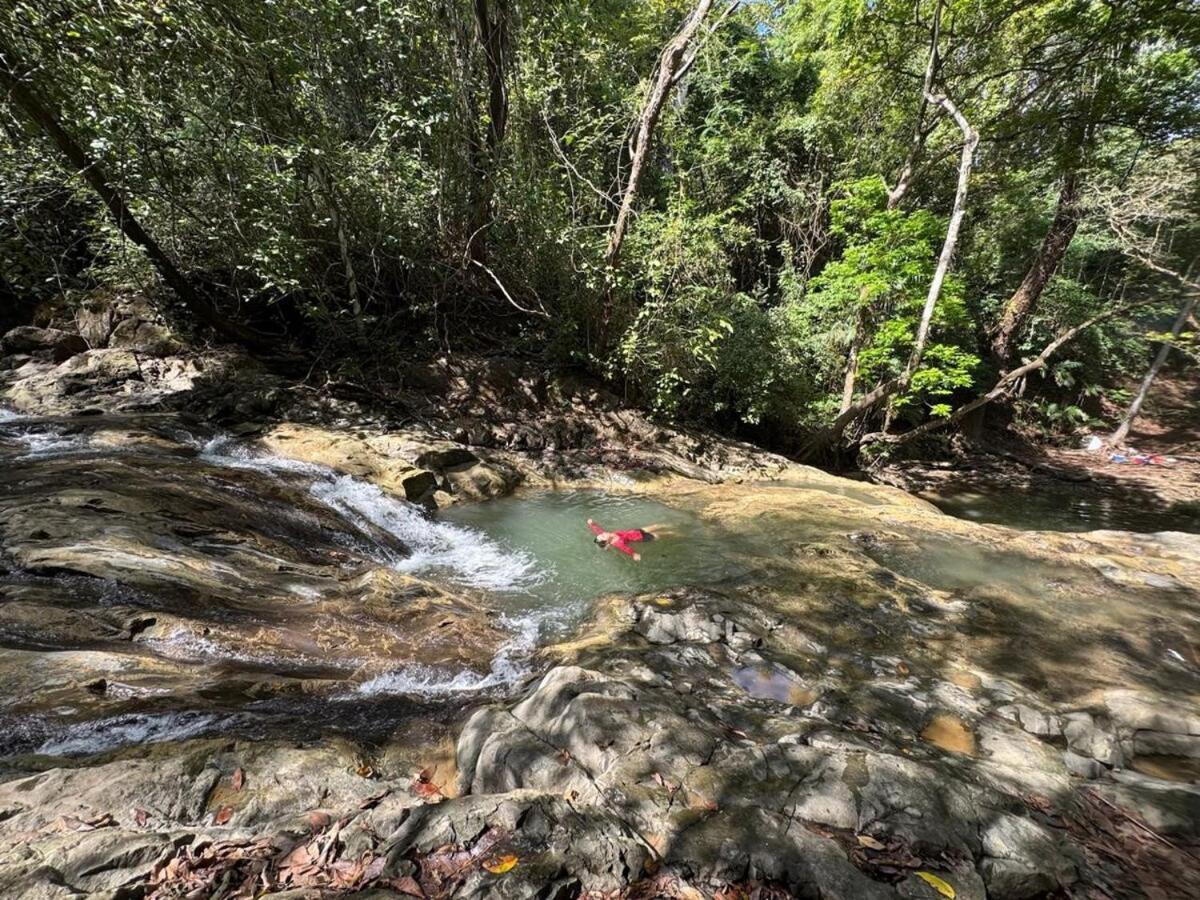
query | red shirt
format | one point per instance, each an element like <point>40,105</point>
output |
<point>620,539</point>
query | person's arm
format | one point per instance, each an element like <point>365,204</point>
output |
<point>596,529</point>
<point>625,548</point>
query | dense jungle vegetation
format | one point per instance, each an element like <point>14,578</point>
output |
<point>813,222</point>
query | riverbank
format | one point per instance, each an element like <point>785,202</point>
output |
<point>241,659</point>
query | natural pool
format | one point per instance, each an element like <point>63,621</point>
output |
<point>1063,506</point>
<point>548,531</point>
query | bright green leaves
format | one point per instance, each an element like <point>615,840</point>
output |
<point>873,294</point>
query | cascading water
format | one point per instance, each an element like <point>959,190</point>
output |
<point>282,547</point>
<point>461,556</point>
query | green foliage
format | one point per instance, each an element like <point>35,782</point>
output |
<point>300,157</point>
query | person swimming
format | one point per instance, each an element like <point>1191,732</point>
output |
<point>620,540</point>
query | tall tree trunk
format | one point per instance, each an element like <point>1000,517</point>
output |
<point>45,117</point>
<point>920,132</point>
<point>668,64</point>
<point>492,34</point>
<point>896,385</point>
<point>1118,437</point>
<point>856,342</point>
<point>325,185</point>
<point>1023,302</point>
<point>903,182</point>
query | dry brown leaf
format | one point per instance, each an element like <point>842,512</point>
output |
<point>319,820</point>
<point>407,885</point>
<point>141,817</point>
<point>224,814</point>
<point>865,840</point>
<point>374,800</point>
<point>374,868</point>
<point>239,778</point>
<point>70,823</point>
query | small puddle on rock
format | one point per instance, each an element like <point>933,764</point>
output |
<point>1168,768</point>
<point>769,682</point>
<point>950,733</point>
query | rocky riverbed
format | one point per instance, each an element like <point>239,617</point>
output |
<point>244,656</point>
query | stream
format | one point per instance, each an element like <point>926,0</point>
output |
<point>193,585</point>
<point>162,583</point>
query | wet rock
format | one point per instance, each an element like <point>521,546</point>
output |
<point>445,457</point>
<point>394,461</point>
<point>60,345</point>
<point>482,481</point>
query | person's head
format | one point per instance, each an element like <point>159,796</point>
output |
<point>603,539</point>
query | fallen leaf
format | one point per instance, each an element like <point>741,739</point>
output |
<point>407,885</point>
<point>937,884</point>
<point>374,868</point>
<point>70,823</point>
<point>902,668</point>
<point>318,820</point>
<point>373,801</point>
<point>498,865</point>
<point>141,817</point>
<point>664,601</point>
<point>239,778</point>
<point>224,814</point>
<point>866,840</point>
<point>423,785</point>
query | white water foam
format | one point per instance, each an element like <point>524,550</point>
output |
<point>224,450</point>
<point>40,444</point>
<point>431,682</point>
<point>105,734</point>
<point>7,415</point>
<point>462,555</point>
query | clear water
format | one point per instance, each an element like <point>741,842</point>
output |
<point>1063,506</point>
<point>549,529</point>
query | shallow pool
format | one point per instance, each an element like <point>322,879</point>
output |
<point>548,529</point>
<point>1063,506</point>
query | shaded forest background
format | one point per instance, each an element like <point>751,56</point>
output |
<point>845,222</point>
